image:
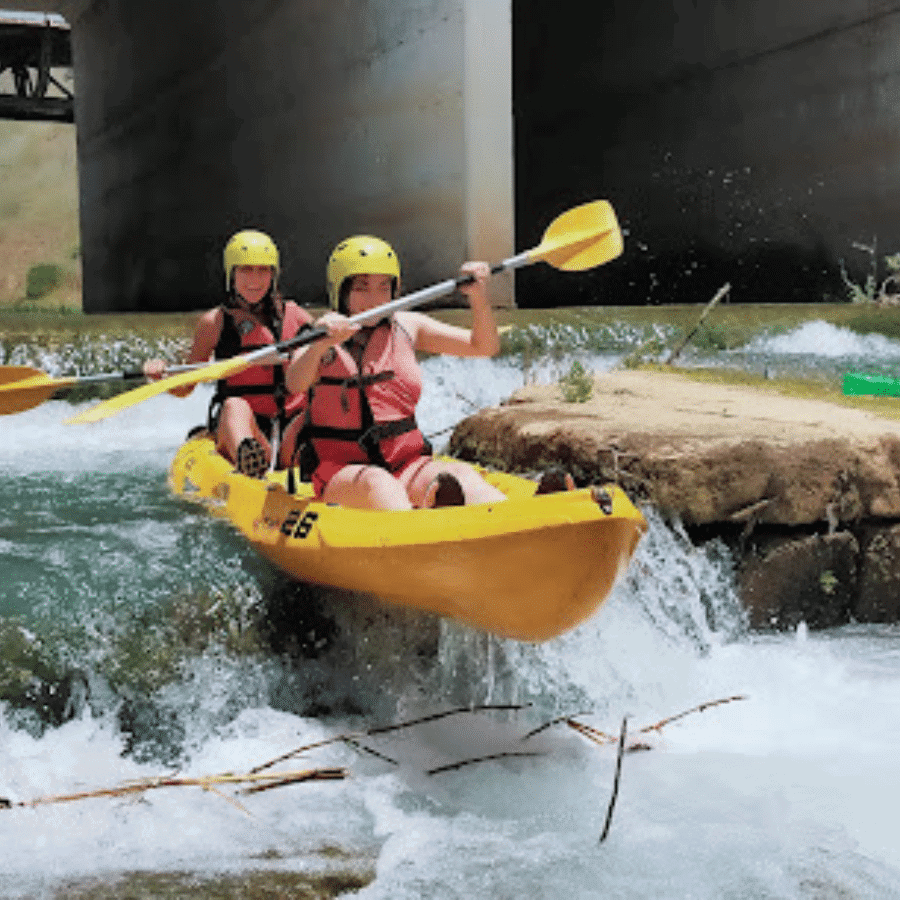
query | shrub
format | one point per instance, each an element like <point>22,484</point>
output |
<point>42,279</point>
<point>577,385</point>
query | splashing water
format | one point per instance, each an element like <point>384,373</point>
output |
<point>788,793</point>
<point>824,339</point>
<point>817,350</point>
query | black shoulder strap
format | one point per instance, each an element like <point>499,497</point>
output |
<point>229,343</point>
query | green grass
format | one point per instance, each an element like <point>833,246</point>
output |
<point>22,323</point>
<point>39,210</point>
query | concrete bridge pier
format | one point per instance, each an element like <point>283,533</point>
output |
<point>310,121</point>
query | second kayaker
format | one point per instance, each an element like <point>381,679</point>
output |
<point>247,408</point>
<point>357,438</point>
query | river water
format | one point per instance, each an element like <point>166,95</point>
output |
<point>134,643</point>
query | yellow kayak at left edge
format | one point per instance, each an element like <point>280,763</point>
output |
<point>529,568</point>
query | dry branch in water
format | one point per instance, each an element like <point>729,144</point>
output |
<point>260,779</point>
<point>353,738</point>
<point>508,754</point>
<point>601,737</point>
<point>211,783</point>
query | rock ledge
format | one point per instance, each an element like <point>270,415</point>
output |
<point>765,471</point>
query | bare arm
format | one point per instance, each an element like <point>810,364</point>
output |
<point>433,336</point>
<point>206,336</point>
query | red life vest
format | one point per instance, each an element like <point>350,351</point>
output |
<point>261,386</point>
<point>361,408</point>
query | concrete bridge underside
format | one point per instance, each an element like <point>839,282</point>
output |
<point>753,141</point>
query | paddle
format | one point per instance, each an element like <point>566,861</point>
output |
<point>857,384</point>
<point>24,387</point>
<point>580,238</point>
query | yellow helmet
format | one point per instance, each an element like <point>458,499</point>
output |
<point>359,255</point>
<point>250,248</point>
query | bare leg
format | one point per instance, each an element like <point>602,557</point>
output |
<point>236,422</point>
<point>366,487</point>
<point>289,442</point>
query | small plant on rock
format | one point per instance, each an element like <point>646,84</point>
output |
<point>577,385</point>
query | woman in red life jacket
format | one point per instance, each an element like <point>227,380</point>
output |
<point>247,409</point>
<point>357,436</point>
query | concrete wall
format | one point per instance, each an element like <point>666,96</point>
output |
<point>197,119</point>
<point>749,141</point>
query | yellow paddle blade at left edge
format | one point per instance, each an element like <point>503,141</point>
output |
<point>23,388</point>
<point>212,372</point>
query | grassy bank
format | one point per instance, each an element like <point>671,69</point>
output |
<point>729,325</point>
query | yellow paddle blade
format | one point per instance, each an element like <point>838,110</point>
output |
<point>107,408</point>
<point>581,238</point>
<point>13,375</point>
<point>23,387</point>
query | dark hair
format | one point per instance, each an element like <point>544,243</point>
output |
<point>347,286</point>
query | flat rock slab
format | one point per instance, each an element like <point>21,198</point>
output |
<point>707,452</point>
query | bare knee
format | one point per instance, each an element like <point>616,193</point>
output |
<point>367,487</point>
<point>235,411</point>
<point>474,488</point>
<point>386,491</point>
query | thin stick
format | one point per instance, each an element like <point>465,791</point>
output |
<point>206,782</point>
<point>315,775</point>
<point>480,759</point>
<point>384,729</point>
<point>709,306</point>
<point>593,734</point>
<point>356,745</point>
<point>601,737</point>
<point>547,725</point>
<point>615,791</point>
<point>657,726</point>
<point>210,789</point>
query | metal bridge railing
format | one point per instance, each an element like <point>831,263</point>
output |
<point>35,61</point>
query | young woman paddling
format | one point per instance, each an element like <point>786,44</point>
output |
<point>357,435</point>
<point>249,408</point>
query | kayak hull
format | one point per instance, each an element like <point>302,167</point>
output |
<point>529,568</point>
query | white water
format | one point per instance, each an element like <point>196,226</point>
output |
<point>825,339</point>
<point>789,793</point>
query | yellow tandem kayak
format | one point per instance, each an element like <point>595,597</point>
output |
<point>529,568</point>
